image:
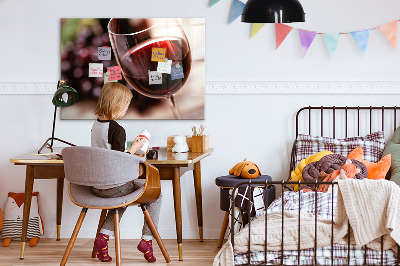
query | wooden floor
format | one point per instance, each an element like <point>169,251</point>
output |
<point>50,252</point>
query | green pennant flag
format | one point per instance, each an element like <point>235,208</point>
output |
<point>213,2</point>
<point>256,28</point>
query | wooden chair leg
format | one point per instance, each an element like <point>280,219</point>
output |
<point>117,239</point>
<point>154,230</point>
<point>101,222</point>
<point>73,237</point>
<point>223,229</point>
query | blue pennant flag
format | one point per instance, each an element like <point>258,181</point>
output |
<point>213,2</point>
<point>361,37</point>
<point>237,9</point>
<point>332,41</point>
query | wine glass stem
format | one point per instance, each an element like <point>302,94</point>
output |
<point>174,107</point>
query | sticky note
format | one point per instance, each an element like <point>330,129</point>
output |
<point>177,72</point>
<point>95,70</point>
<point>158,54</point>
<point>104,53</point>
<point>164,67</point>
<point>155,77</point>
<point>115,73</point>
<point>106,75</point>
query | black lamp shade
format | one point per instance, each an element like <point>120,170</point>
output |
<point>273,11</point>
<point>72,94</point>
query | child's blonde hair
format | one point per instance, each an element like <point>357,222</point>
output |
<point>113,98</point>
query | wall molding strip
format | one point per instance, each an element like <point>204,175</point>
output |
<point>250,87</point>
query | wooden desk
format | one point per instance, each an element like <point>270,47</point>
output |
<point>171,167</point>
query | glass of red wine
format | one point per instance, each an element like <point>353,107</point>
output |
<point>134,42</point>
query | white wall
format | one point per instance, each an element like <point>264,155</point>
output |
<point>259,126</point>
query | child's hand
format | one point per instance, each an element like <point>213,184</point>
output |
<point>143,155</point>
<point>137,144</point>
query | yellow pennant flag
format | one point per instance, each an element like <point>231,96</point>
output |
<point>255,28</point>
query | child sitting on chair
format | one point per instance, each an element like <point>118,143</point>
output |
<point>106,133</point>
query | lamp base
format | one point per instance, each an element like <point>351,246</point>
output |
<point>50,146</point>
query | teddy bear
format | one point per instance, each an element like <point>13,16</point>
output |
<point>180,144</point>
<point>245,169</point>
<point>13,215</point>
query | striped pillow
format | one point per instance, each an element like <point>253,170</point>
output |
<point>372,145</point>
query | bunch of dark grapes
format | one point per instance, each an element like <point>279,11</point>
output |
<point>77,55</point>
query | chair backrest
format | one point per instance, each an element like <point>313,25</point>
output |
<point>92,166</point>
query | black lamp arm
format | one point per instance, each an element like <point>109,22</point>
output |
<point>51,147</point>
<point>46,143</point>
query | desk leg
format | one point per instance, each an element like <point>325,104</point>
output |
<point>60,190</point>
<point>27,206</point>
<point>199,204</point>
<point>176,182</point>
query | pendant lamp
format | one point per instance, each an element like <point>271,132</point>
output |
<point>273,11</point>
<point>63,97</point>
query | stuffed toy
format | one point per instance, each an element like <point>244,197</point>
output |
<point>245,169</point>
<point>180,144</point>
<point>296,174</point>
<point>375,170</point>
<point>13,215</point>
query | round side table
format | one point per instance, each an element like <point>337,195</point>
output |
<point>228,182</point>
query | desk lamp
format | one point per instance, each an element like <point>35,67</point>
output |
<point>273,11</point>
<point>64,96</point>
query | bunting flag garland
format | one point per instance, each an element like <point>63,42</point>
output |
<point>213,2</point>
<point>332,41</point>
<point>256,27</point>
<point>281,31</point>
<point>361,37</point>
<point>389,30</point>
<point>237,8</point>
<point>306,39</point>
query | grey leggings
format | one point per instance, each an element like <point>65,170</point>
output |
<point>154,208</point>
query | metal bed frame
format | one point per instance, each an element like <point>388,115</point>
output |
<point>284,183</point>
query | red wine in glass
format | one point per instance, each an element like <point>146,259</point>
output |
<point>136,64</point>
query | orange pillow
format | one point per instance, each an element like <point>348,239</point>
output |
<point>375,170</point>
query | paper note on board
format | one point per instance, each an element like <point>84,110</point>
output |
<point>155,77</point>
<point>115,73</point>
<point>177,72</point>
<point>104,53</point>
<point>106,75</point>
<point>164,67</point>
<point>95,70</point>
<point>158,54</point>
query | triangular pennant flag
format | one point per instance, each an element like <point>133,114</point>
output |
<point>255,28</point>
<point>332,41</point>
<point>361,37</point>
<point>281,31</point>
<point>213,2</point>
<point>306,39</point>
<point>390,32</point>
<point>237,9</point>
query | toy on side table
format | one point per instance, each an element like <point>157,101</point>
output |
<point>245,169</point>
<point>13,215</point>
<point>180,144</point>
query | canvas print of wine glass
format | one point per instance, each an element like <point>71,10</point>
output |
<point>161,60</point>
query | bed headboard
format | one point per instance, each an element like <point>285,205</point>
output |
<point>344,121</point>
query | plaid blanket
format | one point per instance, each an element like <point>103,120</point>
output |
<point>323,205</point>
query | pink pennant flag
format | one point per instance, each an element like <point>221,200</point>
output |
<point>281,31</point>
<point>389,30</point>
<point>306,39</point>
